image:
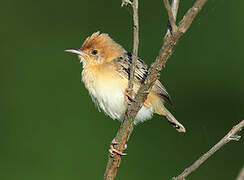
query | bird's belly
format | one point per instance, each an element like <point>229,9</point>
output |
<point>109,95</point>
<point>111,101</point>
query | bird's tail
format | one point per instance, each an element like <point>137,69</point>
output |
<point>179,127</point>
<point>163,111</point>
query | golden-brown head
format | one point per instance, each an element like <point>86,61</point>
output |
<point>98,49</point>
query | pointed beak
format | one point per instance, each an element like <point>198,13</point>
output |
<point>76,51</point>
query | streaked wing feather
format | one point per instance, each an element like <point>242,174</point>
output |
<point>160,90</point>
<point>123,67</point>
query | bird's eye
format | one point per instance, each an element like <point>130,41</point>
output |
<point>94,52</point>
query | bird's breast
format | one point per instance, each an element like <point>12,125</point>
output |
<point>107,90</point>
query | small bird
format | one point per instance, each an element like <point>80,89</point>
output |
<point>106,72</point>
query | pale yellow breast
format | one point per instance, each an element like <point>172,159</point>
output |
<point>107,89</point>
<point>103,78</point>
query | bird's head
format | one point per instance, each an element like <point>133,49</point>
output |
<point>98,49</point>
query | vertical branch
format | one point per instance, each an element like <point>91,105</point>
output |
<point>174,7</point>
<point>171,15</point>
<point>127,124</point>
<point>135,45</point>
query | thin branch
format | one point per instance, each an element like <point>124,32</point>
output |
<point>231,136</point>
<point>111,169</point>
<point>241,174</point>
<point>190,15</point>
<point>174,7</point>
<point>126,127</point>
<point>135,46</point>
<point>171,15</point>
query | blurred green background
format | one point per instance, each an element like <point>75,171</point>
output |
<point>50,128</point>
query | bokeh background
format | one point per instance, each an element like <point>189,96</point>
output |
<point>50,128</point>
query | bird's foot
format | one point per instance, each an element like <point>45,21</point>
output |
<point>112,150</point>
<point>129,98</point>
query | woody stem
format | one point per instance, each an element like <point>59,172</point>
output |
<point>169,42</point>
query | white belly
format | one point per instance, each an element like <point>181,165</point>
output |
<point>110,97</point>
<point>110,100</point>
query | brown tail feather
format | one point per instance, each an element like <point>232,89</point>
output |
<point>163,111</point>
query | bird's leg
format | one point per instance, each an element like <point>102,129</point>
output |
<point>129,98</point>
<point>112,150</point>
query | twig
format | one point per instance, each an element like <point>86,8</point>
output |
<point>241,174</point>
<point>154,72</point>
<point>190,15</point>
<point>231,136</point>
<point>174,7</point>
<point>171,15</point>
<point>111,165</point>
<point>135,45</point>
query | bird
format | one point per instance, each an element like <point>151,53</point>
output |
<point>105,74</point>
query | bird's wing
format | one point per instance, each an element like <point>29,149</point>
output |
<point>141,71</point>
<point>161,91</point>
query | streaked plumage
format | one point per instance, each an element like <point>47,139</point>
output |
<point>106,70</point>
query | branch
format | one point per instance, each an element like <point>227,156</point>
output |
<point>190,15</point>
<point>135,46</point>
<point>113,162</point>
<point>126,127</point>
<point>171,15</point>
<point>174,7</point>
<point>241,174</point>
<point>231,136</point>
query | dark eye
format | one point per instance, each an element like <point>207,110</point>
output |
<point>94,52</point>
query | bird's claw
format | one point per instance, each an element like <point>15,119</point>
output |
<point>112,150</point>
<point>129,98</point>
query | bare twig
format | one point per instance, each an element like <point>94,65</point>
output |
<point>231,136</point>
<point>135,41</point>
<point>127,125</point>
<point>241,174</point>
<point>190,15</point>
<point>111,166</point>
<point>171,15</point>
<point>174,7</point>
<point>135,45</point>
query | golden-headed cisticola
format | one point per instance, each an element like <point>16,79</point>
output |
<point>106,71</point>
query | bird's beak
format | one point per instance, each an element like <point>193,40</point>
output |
<point>75,51</point>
